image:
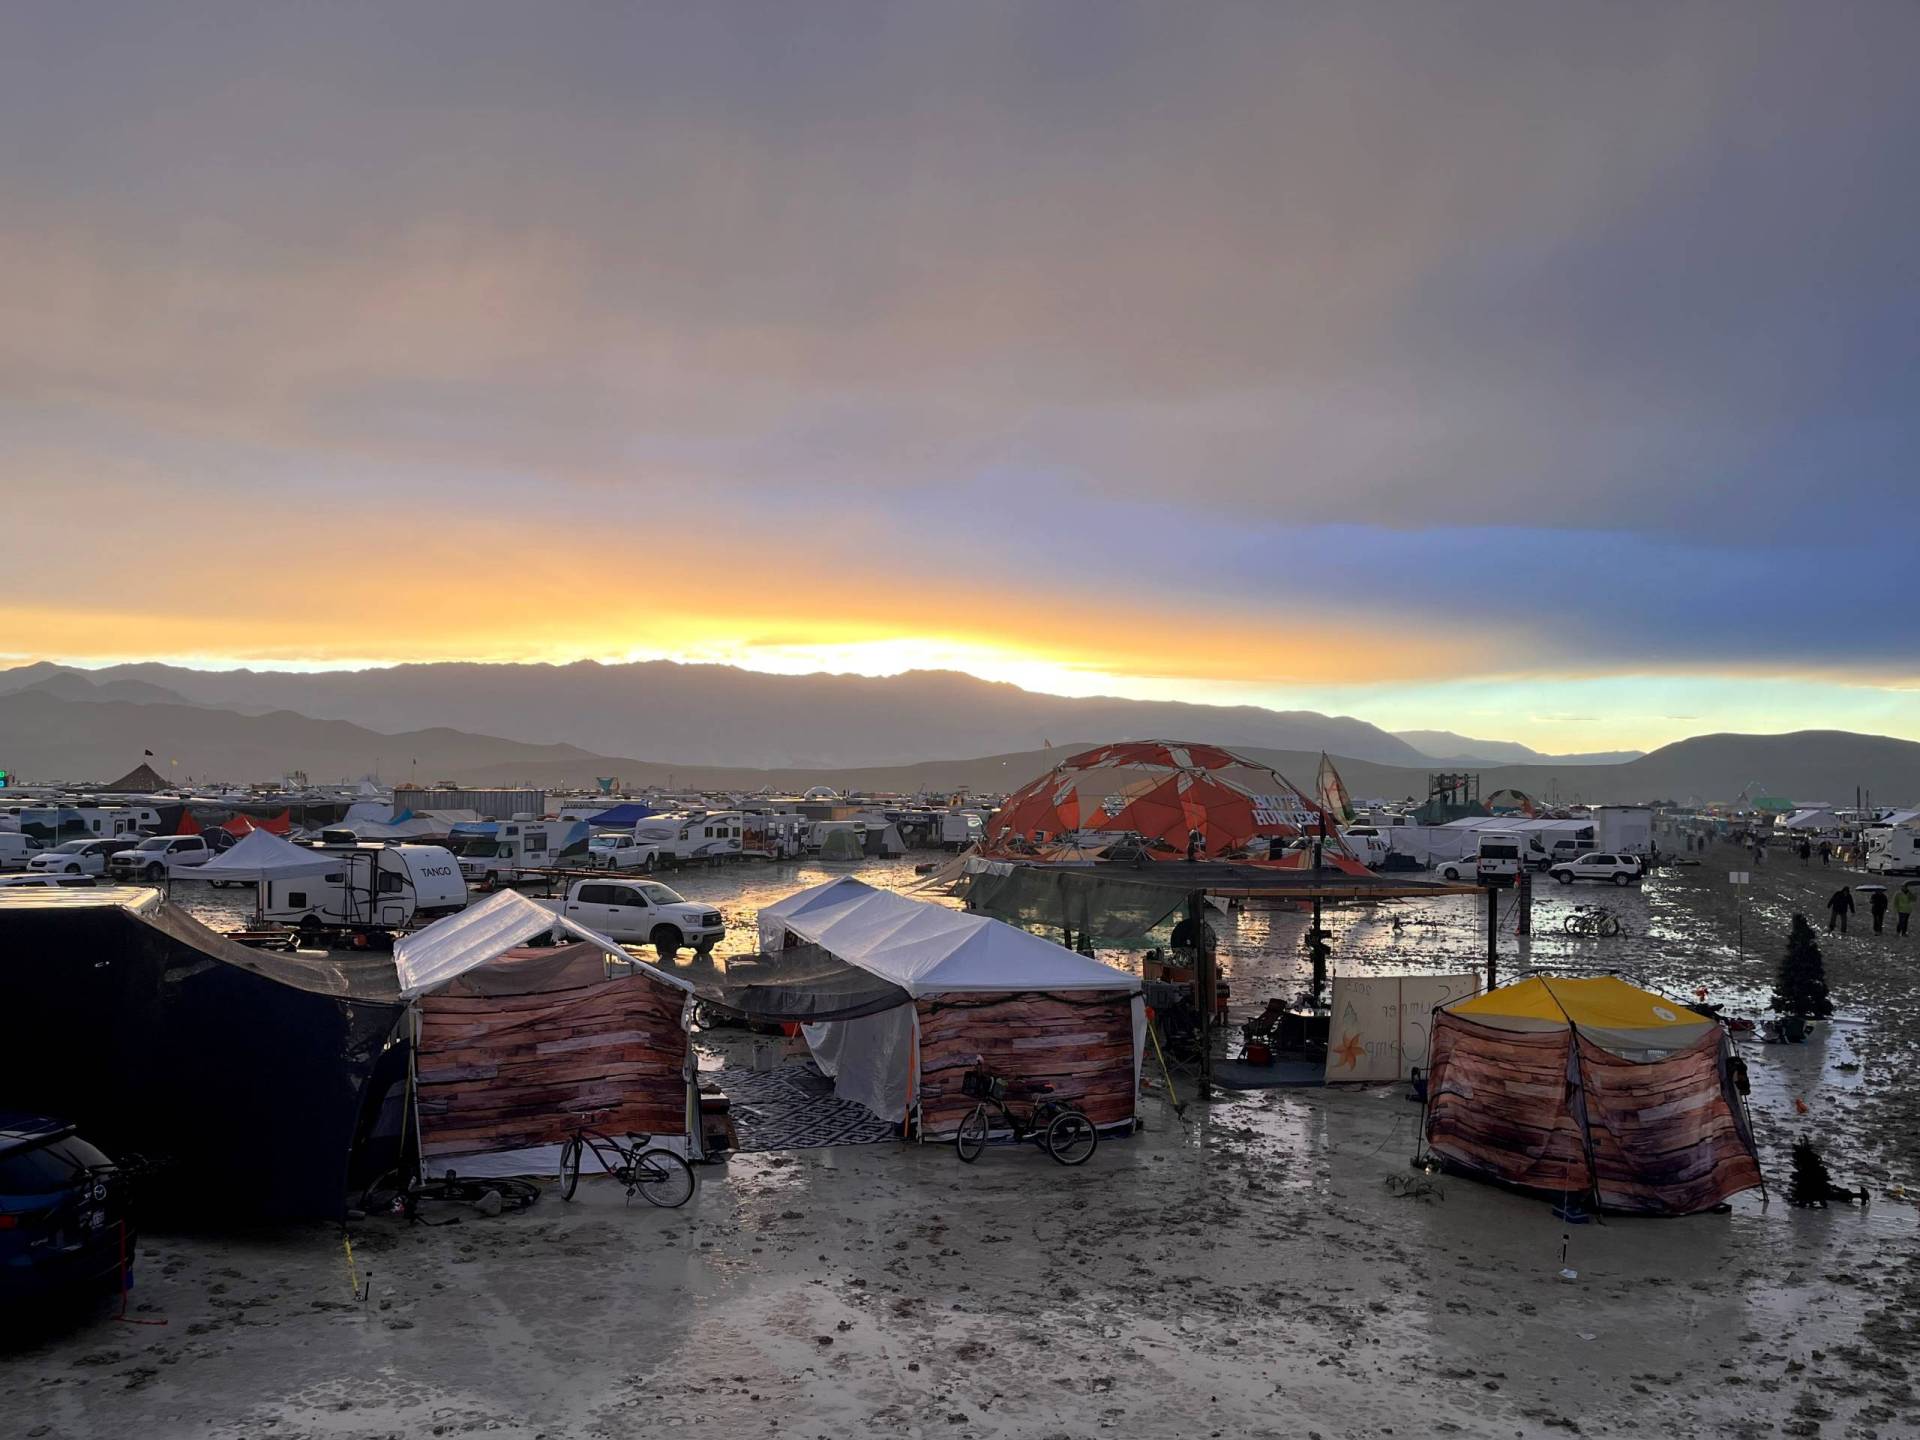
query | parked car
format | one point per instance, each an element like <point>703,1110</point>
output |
<point>77,857</point>
<point>621,852</point>
<point>1614,869</point>
<point>62,1205</point>
<point>644,912</point>
<point>159,855</point>
<point>17,851</point>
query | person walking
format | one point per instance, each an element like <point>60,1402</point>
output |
<point>1826,851</point>
<point>1839,907</point>
<point>1806,851</point>
<point>1877,907</point>
<point>1903,908</point>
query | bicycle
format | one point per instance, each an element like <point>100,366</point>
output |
<point>658,1176</point>
<point>1594,920</point>
<point>1062,1131</point>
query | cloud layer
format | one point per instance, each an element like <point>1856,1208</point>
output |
<point>1271,348</point>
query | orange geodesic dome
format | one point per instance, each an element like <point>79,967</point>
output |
<point>1161,790</point>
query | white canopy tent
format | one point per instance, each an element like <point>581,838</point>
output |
<point>927,950</point>
<point>481,934</point>
<point>260,855</point>
<point>1812,820</point>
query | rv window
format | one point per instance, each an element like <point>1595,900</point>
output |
<point>535,840</point>
<point>391,884</point>
<point>296,898</point>
<point>338,877</point>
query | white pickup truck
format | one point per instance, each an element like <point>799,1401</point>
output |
<point>159,856</point>
<point>622,852</point>
<point>643,912</point>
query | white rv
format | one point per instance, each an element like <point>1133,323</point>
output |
<point>961,828</point>
<point>500,851</point>
<point>697,836</point>
<point>1894,851</point>
<point>385,887</point>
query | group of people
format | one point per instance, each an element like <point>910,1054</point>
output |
<point>1841,905</point>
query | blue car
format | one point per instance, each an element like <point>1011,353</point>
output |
<point>64,1226</point>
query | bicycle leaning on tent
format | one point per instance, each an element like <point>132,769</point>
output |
<point>658,1176</point>
<point>1592,920</point>
<point>1062,1131</point>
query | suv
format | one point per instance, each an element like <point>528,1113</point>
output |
<point>158,856</point>
<point>63,1211</point>
<point>76,857</point>
<point>1619,869</point>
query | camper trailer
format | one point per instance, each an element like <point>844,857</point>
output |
<point>961,828</point>
<point>695,836</point>
<point>385,887</point>
<point>1894,851</point>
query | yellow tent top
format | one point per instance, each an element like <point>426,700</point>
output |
<point>1601,1003</point>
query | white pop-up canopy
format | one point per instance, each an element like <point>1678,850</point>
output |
<point>927,949</point>
<point>260,855</point>
<point>480,934</point>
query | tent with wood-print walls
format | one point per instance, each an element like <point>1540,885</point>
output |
<point>515,1047</point>
<point>1591,1089</point>
<point>969,990</point>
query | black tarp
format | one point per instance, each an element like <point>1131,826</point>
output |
<point>246,1071</point>
<point>800,983</point>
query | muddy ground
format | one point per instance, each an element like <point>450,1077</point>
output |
<point>1269,1265</point>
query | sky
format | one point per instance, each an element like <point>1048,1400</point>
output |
<point>1541,372</point>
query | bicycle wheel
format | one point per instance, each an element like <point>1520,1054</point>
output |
<point>971,1138</point>
<point>663,1178</point>
<point>1071,1138</point>
<point>1571,925</point>
<point>1610,926</point>
<point>570,1167</point>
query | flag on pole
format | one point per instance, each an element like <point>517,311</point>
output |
<point>1333,792</point>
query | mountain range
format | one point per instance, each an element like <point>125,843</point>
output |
<point>719,715</point>
<point>62,724</point>
<point>1447,748</point>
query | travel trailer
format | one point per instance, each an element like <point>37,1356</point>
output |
<point>695,836</point>
<point>1894,851</point>
<point>385,887</point>
<point>961,828</point>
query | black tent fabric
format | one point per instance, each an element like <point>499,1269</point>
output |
<point>246,1074</point>
<point>800,983</point>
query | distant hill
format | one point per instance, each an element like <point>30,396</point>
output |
<point>720,715</point>
<point>46,737</point>
<point>1446,748</point>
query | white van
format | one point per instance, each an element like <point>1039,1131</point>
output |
<point>376,886</point>
<point>1368,844</point>
<point>17,851</point>
<point>1500,856</point>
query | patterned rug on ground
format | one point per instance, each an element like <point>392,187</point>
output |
<point>794,1108</point>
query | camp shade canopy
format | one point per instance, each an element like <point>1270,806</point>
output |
<point>261,855</point>
<point>516,1047</point>
<point>628,815</point>
<point>1162,790</point>
<point>972,989</point>
<point>1592,1088</point>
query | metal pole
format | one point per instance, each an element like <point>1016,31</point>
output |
<point>1203,987</point>
<point>1493,938</point>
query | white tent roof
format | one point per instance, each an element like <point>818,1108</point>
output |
<point>1811,820</point>
<point>259,855</point>
<point>447,949</point>
<point>928,949</point>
